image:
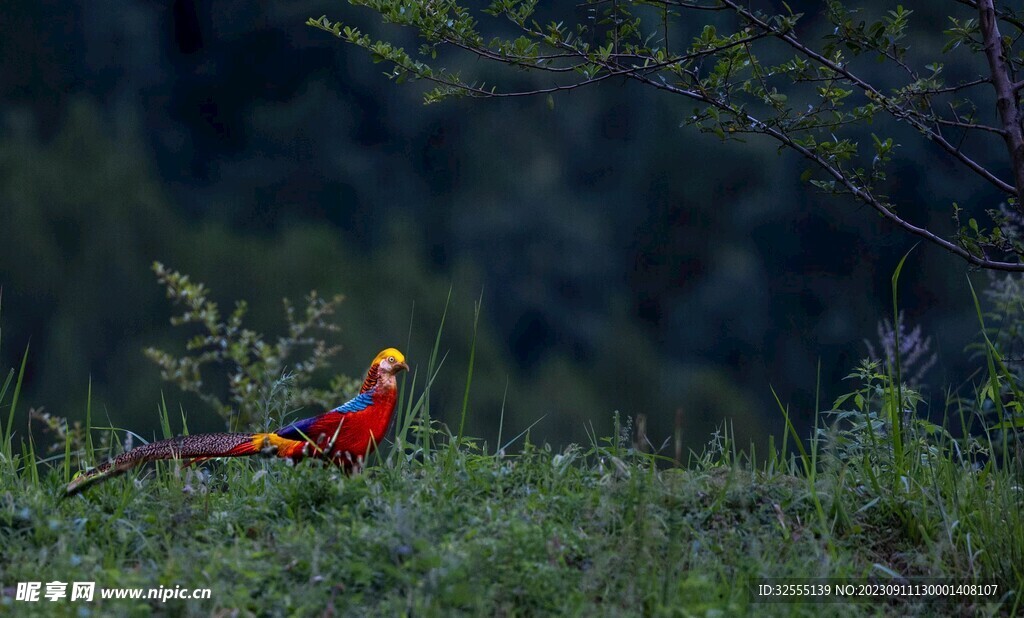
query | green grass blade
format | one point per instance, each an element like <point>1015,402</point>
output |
<point>165,418</point>
<point>431,364</point>
<point>14,403</point>
<point>896,408</point>
<point>90,452</point>
<point>469,370</point>
<point>501,417</point>
<point>996,369</point>
<point>522,433</point>
<point>67,455</point>
<point>791,430</point>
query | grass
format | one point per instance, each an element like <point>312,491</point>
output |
<point>586,530</point>
<point>441,523</point>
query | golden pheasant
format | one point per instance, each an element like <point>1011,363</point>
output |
<point>343,436</point>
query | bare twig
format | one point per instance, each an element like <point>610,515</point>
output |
<point>957,87</point>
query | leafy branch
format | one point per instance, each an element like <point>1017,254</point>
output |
<point>262,379</point>
<point>810,97</point>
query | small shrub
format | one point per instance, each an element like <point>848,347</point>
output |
<point>263,380</point>
<point>863,420</point>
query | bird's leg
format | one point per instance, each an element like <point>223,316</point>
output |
<point>347,462</point>
<point>341,458</point>
<point>334,438</point>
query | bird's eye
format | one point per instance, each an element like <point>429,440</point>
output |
<point>391,359</point>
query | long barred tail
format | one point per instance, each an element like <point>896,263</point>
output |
<point>200,446</point>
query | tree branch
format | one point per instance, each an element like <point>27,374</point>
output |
<point>1006,94</point>
<point>1007,18</point>
<point>649,66</point>
<point>858,192</point>
<point>958,87</point>
<point>968,126</point>
<point>874,94</point>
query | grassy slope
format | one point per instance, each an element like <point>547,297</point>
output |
<point>539,533</point>
<point>443,527</point>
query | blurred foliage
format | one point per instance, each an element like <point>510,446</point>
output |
<point>78,263</point>
<point>1005,318</point>
<point>1001,400</point>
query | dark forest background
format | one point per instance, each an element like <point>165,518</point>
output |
<point>624,263</point>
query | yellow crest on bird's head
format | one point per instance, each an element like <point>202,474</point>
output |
<point>389,353</point>
<point>388,363</point>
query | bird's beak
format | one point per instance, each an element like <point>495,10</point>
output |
<point>402,367</point>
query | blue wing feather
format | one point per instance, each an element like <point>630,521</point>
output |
<point>357,404</point>
<point>301,430</point>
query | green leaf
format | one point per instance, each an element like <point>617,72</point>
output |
<point>1010,423</point>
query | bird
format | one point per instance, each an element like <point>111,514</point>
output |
<point>343,436</point>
